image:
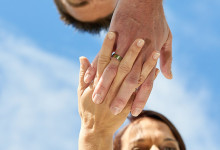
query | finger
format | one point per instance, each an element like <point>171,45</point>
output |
<point>91,71</point>
<point>105,53</point>
<point>124,68</point>
<point>84,65</point>
<point>127,88</point>
<point>143,94</point>
<point>105,82</point>
<point>156,73</point>
<point>120,72</point>
<point>127,108</point>
<point>148,66</point>
<point>166,58</point>
<point>132,81</point>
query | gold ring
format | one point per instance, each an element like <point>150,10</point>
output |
<point>119,58</point>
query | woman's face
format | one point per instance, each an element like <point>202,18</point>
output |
<point>89,10</point>
<point>148,134</point>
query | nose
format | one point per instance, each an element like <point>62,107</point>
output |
<point>154,147</point>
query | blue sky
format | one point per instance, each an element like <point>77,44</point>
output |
<point>39,75</point>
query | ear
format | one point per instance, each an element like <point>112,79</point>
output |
<point>84,65</point>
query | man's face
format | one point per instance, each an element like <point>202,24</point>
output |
<point>89,10</point>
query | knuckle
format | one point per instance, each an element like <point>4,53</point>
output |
<point>103,59</point>
<point>141,79</point>
<point>102,87</point>
<point>90,70</point>
<point>112,69</point>
<point>150,64</point>
<point>124,68</point>
<point>148,85</point>
<point>132,79</point>
<point>120,102</point>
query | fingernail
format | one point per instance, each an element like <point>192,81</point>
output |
<point>136,112</point>
<point>86,79</point>
<point>156,56</point>
<point>111,35</point>
<point>140,43</point>
<point>115,110</point>
<point>97,99</point>
<point>80,59</point>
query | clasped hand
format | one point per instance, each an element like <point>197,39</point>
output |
<point>98,119</point>
<point>134,19</point>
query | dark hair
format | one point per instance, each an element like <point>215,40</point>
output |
<point>153,115</point>
<point>92,27</point>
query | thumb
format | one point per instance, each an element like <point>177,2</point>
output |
<point>84,65</point>
<point>166,58</point>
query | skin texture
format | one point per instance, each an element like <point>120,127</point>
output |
<point>95,9</point>
<point>148,133</point>
<point>134,19</point>
<point>98,124</point>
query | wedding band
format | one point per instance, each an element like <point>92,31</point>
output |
<point>119,58</point>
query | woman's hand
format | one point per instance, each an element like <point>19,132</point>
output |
<point>98,124</point>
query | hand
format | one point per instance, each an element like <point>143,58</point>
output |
<point>97,120</point>
<point>138,19</point>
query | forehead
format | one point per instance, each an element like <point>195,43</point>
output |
<point>147,129</point>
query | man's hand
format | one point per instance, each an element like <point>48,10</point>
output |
<point>134,19</point>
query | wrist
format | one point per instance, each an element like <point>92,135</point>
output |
<point>94,140</point>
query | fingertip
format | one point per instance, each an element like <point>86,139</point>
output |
<point>115,110</point>
<point>156,55</point>
<point>111,35</point>
<point>83,60</point>
<point>156,73</point>
<point>168,74</point>
<point>136,112</point>
<point>140,43</point>
<point>97,99</point>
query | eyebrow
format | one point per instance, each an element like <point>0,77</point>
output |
<point>81,4</point>
<point>143,140</point>
<point>169,139</point>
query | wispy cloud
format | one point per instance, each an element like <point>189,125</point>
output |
<point>196,22</point>
<point>188,109</point>
<point>38,101</point>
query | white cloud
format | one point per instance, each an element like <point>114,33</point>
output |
<point>38,103</point>
<point>188,109</point>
